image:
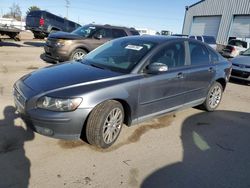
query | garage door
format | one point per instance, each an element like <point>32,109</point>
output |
<point>241,27</point>
<point>205,25</point>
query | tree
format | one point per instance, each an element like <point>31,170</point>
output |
<point>15,12</point>
<point>32,8</point>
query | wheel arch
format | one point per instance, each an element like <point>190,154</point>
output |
<point>223,83</point>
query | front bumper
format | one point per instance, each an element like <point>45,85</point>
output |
<point>240,74</point>
<point>55,54</point>
<point>62,125</point>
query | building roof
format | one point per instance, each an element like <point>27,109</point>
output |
<point>196,3</point>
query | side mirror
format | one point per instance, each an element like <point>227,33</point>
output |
<point>99,36</point>
<point>156,68</point>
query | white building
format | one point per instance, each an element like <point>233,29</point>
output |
<point>219,18</point>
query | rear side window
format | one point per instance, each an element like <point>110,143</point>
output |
<point>35,14</point>
<point>198,53</point>
<point>172,55</point>
<point>238,43</point>
<point>199,38</point>
<point>192,37</point>
<point>214,58</point>
<point>134,32</point>
<point>209,39</point>
<point>117,33</point>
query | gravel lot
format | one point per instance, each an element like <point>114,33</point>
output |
<point>191,148</point>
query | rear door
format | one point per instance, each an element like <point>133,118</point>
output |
<point>159,92</point>
<point>201,72</point>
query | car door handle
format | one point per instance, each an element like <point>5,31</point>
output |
<point>211,69</point>
<point>180,75</point>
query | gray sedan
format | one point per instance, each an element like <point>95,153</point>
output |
<point>125,81</point>
<point>241,66</point>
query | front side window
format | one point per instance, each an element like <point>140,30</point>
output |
<point>104,32</point>
<point>198,54</point>
<point>172,55</point>
<point>120,55</point>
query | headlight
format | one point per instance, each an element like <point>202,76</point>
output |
<point>61,43</point>
<point>56,104</point>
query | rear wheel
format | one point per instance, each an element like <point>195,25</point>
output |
<point>214,97</point>
<point>105,123</point>
<point>78,54</point>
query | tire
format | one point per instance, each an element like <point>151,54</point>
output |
<point>99,132</point>
<point>78,54</point>
<point>213,98</point>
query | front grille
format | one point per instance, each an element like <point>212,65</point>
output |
<point>241,66</point>
<point>51,42</point>
<point>19,97</point>
<point>241,74</point>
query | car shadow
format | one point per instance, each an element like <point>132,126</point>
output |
<point>14,165</point>
<point>215,153</point>
<point>10,44</point>
<point>42,57</point>
<point>35,44</point>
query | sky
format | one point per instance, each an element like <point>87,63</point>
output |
<point>152,14</point>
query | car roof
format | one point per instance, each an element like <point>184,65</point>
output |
<point>156,38</point>
<point>111,26</point>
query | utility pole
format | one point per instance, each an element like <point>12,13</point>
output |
<point>67,7</point>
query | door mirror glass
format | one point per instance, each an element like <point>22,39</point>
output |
<point>156,68</point>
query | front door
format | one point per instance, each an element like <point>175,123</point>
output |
<point>164,91</point>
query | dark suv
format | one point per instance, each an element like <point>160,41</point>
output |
<point>42,23</point>
<point>63,46</point>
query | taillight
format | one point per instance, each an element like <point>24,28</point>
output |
<point>41,21</point>
<point>233,49</point>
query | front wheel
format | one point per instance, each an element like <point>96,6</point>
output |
<point>78,54</point>
<point>214,97</point>
<point>105,123</point>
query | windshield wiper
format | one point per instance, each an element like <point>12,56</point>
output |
<point>97,66</point>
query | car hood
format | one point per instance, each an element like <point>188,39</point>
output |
<point>63,75</point>
<point>65,35</point>
<point>242,60</point>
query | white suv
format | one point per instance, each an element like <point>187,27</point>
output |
<point>234,47</point>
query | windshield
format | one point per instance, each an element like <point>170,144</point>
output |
<point>120,55</point>
<point>84,31</point>
<point>246,53</point>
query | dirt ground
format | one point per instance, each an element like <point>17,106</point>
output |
<point>191,148</point>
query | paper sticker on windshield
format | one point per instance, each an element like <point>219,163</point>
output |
<point>133,47</point>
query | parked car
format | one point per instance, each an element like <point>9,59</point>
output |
<point>210,40</point>
<point>42,23</point>
<point>234,47</point>
<point>125,81</point>
<point>241,66</point>
<point>63,46</point>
